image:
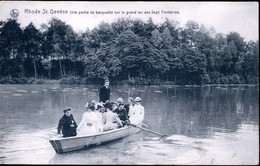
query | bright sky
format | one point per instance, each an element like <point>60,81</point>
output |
<point>224,17</point>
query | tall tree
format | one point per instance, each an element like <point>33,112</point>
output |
<point>156,39</point>
<point>250,64</point>
<point>32,39</point>
<point>238,45</point>
<point>59,42</point>
<point>167,39</point>
<point>238,41</point>
<point>121,25</point>
<point>138,56</point>
<point>171,27</point>
<point>149,26</point>
<point>129,49</point>
<point>188,34</point>
<point>138,27</point>
<point>10,39</point>
<point>153,60</point>
<point>105,32</point>
<point>102,63</point>
<point>174,61</point>
<point>194,64</point>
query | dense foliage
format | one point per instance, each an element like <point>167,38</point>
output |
<point>127,50</point>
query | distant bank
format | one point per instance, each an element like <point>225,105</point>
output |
<point>84,81</point>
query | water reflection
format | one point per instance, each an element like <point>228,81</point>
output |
<point>193,110</point>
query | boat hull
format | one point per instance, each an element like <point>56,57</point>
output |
<point>62,145</point>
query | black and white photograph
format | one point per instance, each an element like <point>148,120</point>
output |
<point>129,82</point>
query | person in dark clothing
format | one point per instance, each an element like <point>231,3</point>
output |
<point>67,124</point>
<point>104,92</point>
<point>122,113</point>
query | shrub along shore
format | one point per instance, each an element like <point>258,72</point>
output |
<point>80,81</point>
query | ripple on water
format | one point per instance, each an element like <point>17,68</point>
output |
<point>21,90</point>
<point>20,143</point>
<point>17,94</point>
<point>152,150</point>
<point>5,92</point>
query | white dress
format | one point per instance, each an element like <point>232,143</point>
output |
<point>137,114</point>
<point>100,121</point>
<point>88,124</point>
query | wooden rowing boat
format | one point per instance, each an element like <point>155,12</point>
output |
<point>66,144</point>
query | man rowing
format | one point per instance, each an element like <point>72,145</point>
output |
<point>137,112</point>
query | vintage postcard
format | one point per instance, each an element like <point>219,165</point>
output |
<point>120,82</point>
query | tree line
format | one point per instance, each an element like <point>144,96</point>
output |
<point>130,50</point>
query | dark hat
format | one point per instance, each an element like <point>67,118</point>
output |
<point>99,105</point>
<point>66,109</point>
<point>109,105</point>
<point>111,102</point>
<point>121,104</point>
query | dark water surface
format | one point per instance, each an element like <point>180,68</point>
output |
<point>206,125</point>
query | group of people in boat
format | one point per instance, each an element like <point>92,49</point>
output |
<point>102,116</point>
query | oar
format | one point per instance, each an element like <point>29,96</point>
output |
<point>145,125</point>
<point>162,135</point>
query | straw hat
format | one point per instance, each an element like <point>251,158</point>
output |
<point>137,99</point>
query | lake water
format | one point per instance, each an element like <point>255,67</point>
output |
<point>205,125</point>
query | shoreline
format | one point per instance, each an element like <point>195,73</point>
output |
<point>34,81</point>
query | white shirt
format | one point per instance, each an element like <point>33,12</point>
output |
<point>137,114</point>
